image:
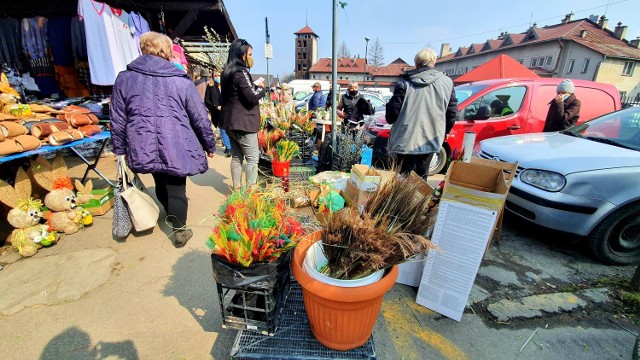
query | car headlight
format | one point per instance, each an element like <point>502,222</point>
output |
<point>545,180</point>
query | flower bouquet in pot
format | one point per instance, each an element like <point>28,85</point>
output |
<point>357,246</point>
<point>286,150</point>
<point>250,257</point>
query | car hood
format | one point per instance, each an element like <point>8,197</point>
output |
<point>557,152</point>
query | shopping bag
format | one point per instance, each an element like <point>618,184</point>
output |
<point>143,210</point>
<point>122,225</point>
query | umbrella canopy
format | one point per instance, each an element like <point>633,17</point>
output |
<point>500,67</point>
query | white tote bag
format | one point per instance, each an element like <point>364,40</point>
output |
<point>143,210</point>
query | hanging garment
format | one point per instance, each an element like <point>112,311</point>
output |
<point>123,35</point>
<point>138,26</point>
<point>10,52</point>
<point>59,36</point>
<point>34,37</point>
<point>78,39</point>
<point>105,58</point>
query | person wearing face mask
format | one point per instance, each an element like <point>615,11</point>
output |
<point>564,109</point>
<point>212,100</point>
<point>353,107</point>
<point>240,113</point>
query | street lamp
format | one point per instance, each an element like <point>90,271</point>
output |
<point>364,73</point>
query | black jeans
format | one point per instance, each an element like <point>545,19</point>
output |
<point>418,163</point>
<point>171,191</point>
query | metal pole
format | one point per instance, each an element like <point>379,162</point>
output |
<point>267,37</point>
<point>364,72</point>
<point>334,77</point>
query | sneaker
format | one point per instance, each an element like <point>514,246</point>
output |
<point>181,237</point>
<point>227,152</point>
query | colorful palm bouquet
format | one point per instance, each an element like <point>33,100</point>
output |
<point>286,150</point>
<point>268,139</point>
<point>302,122</point>
<point>255,226</point>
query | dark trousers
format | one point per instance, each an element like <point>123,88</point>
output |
<point>418,163</point>
<point>171,191</point>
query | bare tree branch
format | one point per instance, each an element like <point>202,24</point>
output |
<point>377,54</point>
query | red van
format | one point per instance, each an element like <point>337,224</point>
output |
<point>524,106</point>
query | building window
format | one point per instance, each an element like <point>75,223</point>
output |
<point>534,62</point>
<point>313,76</point>
<point>299,56</point>
<point>521,61</point>
<point>299,67</point>
<point>628,68</point>
<point>541,61</point>
<point>549,59</point>
<point>585,65</point>
<point>570,66</point>
<point>299,43</point>
<point>327,77</point>
<point>304,43</point>
<point>304,55</point>
<point>340,77</point>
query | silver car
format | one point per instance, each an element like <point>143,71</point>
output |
<point>584,180</point>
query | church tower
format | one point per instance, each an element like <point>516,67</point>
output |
<point>306,52</point>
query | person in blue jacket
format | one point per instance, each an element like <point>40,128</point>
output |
<point>317,99</point>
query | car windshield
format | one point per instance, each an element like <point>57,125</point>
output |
<point>300,95</point>
<point>620,128</point>
<point>463,92</point>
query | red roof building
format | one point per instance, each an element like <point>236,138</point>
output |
<point>578,49</point>
<point>350,69</point>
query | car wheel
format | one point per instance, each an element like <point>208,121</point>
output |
<point>438,161</point>
<point>616,240</point>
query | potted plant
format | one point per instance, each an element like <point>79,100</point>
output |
<point>250,256</point>
<point>388,232</point>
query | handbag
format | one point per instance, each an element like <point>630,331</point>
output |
<point>122,225</point>
<point>143,210</point>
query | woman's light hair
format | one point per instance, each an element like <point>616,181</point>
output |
<point>425,57</point>
<point>153,43</point>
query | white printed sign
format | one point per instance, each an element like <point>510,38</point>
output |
<point>462,232</point>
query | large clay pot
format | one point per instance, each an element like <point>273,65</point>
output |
<point>340,318</point>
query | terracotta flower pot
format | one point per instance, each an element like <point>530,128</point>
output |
<point>340,318</point>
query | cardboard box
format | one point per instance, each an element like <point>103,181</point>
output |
<point>484,183</point>
<point>366,173</point>
<point>358,197</point>
<point>315,195</point>
<point>103,200</point>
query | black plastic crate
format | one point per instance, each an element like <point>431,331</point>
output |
<point>340,164</point>
<point>301,173</point>
<point>306,145</point>
<point>294,339</point>
<point>253,307</point>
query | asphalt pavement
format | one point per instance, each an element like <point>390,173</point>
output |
<point>90,297</point>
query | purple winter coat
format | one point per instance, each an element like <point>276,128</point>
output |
<point>159,120</point>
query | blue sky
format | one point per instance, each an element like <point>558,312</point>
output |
<point>405,26</point>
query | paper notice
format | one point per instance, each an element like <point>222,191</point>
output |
<point>462,232</point>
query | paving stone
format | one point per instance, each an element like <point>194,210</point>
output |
<point>54,279</point>
<point>477,294</point>
<point>532,276</point>
<point>500,275</point>
<point>535,306</point>
<point>599,295</point>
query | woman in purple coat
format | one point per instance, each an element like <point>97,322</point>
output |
<point>160,123</point>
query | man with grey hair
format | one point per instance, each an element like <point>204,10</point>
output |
<point>423,109</point>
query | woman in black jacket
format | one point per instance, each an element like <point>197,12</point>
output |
<point>212,100</point>
<point>241,111</point>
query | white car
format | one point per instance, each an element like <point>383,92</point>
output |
<point>584,180</point>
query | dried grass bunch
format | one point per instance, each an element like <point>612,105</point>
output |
<point>390,230</point>
<point>358,245</point>
<point>396,200</point>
